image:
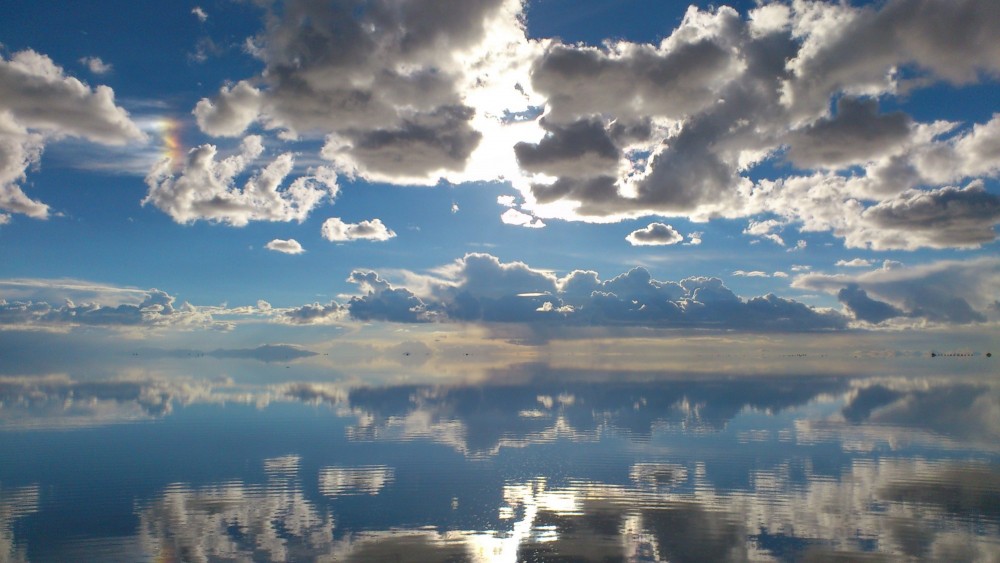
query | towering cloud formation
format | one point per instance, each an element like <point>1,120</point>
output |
<point>949,292</point>
<point>40,103</point>
<point>411,92</point>
<point>391,84</point>
<point>480,288</point>
<point>722,94</point>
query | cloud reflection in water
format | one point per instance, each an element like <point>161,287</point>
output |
<point>723,470</point>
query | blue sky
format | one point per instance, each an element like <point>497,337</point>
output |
<point>266,171</point>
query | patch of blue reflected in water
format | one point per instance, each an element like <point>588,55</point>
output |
<point>594,468</point>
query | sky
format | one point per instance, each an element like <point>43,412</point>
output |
<point>520,174</point>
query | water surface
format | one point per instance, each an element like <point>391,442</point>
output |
<point>545,465</point>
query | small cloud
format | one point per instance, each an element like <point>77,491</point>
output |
<point>799,246</point>
<point>694,239</point>
<point>334,229</point>
<point>96,65</point>
<point>891,265</point>
<point>654,234</point>
<point>454,207</point>
<point>514,217</point>
<point>800,268</point>
<point>290,246</point>
<point>200,13</point>
<point>753,274</point>
<point>855,263</point>
<point>765,229</point>
<point>780,275</point>
<point>506,200</point>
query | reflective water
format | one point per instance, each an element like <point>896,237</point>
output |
<point>552,465</point>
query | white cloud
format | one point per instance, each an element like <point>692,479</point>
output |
<point>654,234</point>
<point>231,112</point>
<point>205,189</point>
<point>39,103</point>
<point>854,263</point>
<point>290,246</point>
<point>200,14</point>
<point>336,230</point>
<point>751,274</point>
<point>951,291</point>
<point>402,93</point>
<point>155,309</point>
<point>521,219</point>
<point>675,128</point>
<point>96,65</point>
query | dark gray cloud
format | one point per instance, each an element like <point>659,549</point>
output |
<point>382,302</point>
<point>941,218</point>
<point>680,77</point>
<point>855,135</point>
<point>865,308</point>
<point>581,148</point>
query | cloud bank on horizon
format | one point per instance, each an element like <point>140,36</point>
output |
<point>786,117</point>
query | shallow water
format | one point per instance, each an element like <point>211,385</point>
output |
<point>557,466</point>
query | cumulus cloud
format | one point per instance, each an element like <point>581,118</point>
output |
<point>336,230</point>
<point>200,14</point>
<point>314,314</point>
<point>96,65</point>
<point>399,91</point>
<point>481,288</point>
<point>156,309</point>
<point>855,135</point>
<point>290,246</point>
<point>521,219</point>
<point>40,103</point>
<point>854,263</point>
<point>455,90</point>
<point>205,188</point>
<point>865,308</point>
<point>676,128</point>
<point>950,292</point>
<point>943,218</point>
<point>382,302</point>
<point>765,229</point>
<point>654,234</point>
